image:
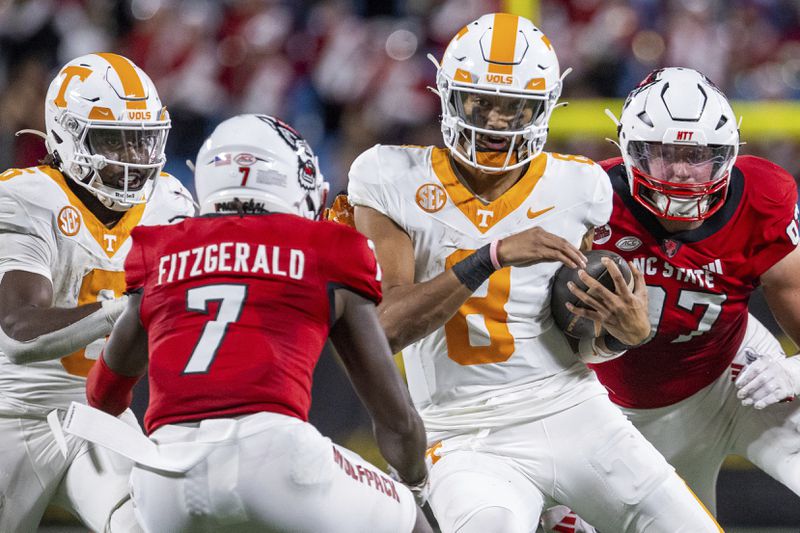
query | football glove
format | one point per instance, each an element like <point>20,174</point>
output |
<point>341,211</point>
<point>767,381</point>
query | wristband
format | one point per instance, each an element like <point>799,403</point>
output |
<point>616,345</point>
<point>107,390</point>
<point>473,270</point>
<point>493,254</point>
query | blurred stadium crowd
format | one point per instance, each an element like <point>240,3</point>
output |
<point>350,73</point>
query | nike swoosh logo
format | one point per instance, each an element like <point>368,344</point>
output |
<point>534,214</point>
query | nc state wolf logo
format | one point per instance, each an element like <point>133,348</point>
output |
<point>306,161</point>
<point>670,247</point>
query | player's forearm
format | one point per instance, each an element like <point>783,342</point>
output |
<point>783,302</point>
<point>32,334</point>
<point>411,312</point>
<point>404,450</point>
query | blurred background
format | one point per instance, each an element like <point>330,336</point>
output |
<point>351,73</point>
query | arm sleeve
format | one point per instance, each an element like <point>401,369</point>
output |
<point>352,263</point>
<point>602,199</point>
<point>365,185</point>
<point>134,263</point>
<point>26,241</point>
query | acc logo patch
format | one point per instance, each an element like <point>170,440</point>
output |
<point>431,197</point>
<point>602,234</point>
<point>629,243</point>
<point>69,221</point>
<point>244,159</point>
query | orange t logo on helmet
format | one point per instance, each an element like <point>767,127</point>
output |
<point>70,72</point>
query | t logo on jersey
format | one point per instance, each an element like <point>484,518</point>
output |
<point>431,197</point>
<point>69,221</point>
<point>484,214</point>
<point>110,240</point>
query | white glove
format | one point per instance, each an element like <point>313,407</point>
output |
<point>768,381</point>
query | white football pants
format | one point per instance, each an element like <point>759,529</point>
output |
<point>696,434</point>
<point>277,474</point>
<point>588,457</point>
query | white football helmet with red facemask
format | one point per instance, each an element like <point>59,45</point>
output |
<point>498,82</point>
<point>679,140</point>
<point>257,163</point>
<point>106,128</point>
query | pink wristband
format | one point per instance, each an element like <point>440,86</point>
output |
<point>493,254</point>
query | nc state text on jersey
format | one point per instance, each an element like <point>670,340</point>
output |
<point>703,277</point>
<point>235,257</point>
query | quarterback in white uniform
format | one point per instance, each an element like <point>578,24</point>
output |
<point>64,235</point>
<point>469,238</point>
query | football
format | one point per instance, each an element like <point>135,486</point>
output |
<point>571,324</point>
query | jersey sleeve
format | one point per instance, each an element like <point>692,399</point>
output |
<point>602,200</point>
<point>351,262</point>
<point>365,186</point>
<point>135,269</point>
<point>173,199</point>
<point>772,197</point>
<point>26,235</point>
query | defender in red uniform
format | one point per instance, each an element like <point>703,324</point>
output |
<point>706,228</point>
<point>234,308</point>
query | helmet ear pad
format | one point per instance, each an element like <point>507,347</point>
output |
<point>262,163</point>
<point>678,111</point>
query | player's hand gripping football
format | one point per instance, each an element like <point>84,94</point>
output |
<point>622,313</point>
<point>536,245</point>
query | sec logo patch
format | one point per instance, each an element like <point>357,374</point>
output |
<point>431,197</point>
<point>69,221</point>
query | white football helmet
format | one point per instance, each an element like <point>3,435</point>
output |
<point>498,82</point>
<point>679,140</point>
<point>258,163</point>
<point>106,127</point>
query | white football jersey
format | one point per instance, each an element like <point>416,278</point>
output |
<point>500,358</point>
<point>46,229</point>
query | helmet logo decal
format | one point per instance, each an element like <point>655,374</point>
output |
<point>307,169</point>
<point>506,79</point>
<point>431,197</point>
<point>72,71</point>
<point>684,136</point>
<point>222,159</point>
<point>244,159</point>
<point>69,221</point>
<point>287,133</point>
<point>139,115</point>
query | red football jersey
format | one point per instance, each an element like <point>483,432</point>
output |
<point>237,310</point>
<point>699,281</point>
